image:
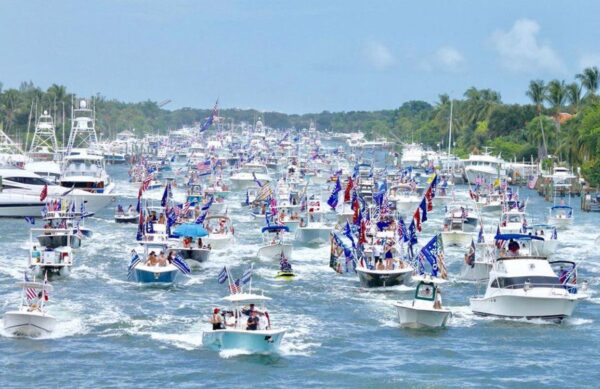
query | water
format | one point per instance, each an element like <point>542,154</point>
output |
<point>115,333</point>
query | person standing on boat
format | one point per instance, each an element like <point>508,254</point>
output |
<point>389,257</point>
<point>216,320</point>
<point>252,323</point>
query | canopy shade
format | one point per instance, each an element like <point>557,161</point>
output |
<point>191,229</point>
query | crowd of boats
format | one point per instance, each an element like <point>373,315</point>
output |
<point>371,218</point>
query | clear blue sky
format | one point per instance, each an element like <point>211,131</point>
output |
<point>295,56</point>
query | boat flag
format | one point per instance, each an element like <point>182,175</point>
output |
<point>247,276</point>
<point>44,193</point>
<point>423,207</point>
<point>145,184</point>
<point>348,189</point>
<point>222,277</point>
<point>333,198</point>
<point>402,233</point>
<point>30,220</point>
<point>554,234</point>
<point>433,252</point>
<point>417,219</point>
<point>165,196</point>
<point>470,257</point>
<point>204,168</point>
<point>499,242</point>
<point>480,236</point>
<point>256,180</point>
<point>348,233</point>
<point>29,292</point>
<point>234,287</point>
<point>180,264</point>
<point>247,197</point>
<point>135,260</point>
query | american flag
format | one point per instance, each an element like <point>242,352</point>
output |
<point>204,167</point>
<point>146,183</point>
<point>186,208</point>
<point>29,292</point>
<point>234,287</point>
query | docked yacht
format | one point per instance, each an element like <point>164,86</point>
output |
<point>24,182</point>
<point>484,168</point>
<point>523,284</point>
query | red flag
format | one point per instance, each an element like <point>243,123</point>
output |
<point>348,189</point>
<point>417,218</point>
<point>362,236</point>
<point>44,193</point>
<point>429,199</point>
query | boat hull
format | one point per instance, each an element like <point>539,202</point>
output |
<point>194,256</point>
<point>219,242</point>
<point>479,272</point>
<point>155,274</point>
<point>521,306</point>
<point>273,252</point>
<point>31,324</point>
<point>259,341</point>
<point>411,317</point>
<point>382,278</point>
<point>456,238</point>
<point>308,235</point>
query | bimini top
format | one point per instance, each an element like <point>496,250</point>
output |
<point>517,237</point>
<point>192,230</point>
<point>562,207</point>
<point>275,229</point>
<point>245,298</point>
<point>35,285</point>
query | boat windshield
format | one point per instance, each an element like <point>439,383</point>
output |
<point>425,292</point>
<point>519,282</point>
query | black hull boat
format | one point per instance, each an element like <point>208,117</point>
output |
<point>382,278</point>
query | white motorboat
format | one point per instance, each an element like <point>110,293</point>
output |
<point>31,318</point>
<point>412,155</point>
<point>478,261</point>
<point>53,255</point>
<point>247,176</point>
<point>549,244</point>
<point>454,232</point>
<point>522,284</point>
<point>220,232</point>
<point>561,216</point>
<point>238,334</point>
<point>275,243</point>
<point>194,253</point>
<point>425,311</point>
<point>313,230</point>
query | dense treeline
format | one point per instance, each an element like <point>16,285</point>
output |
<point>563,120</point>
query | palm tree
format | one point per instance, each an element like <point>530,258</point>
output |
<point>589,79</point>
<point>537,94</point>
<point>574,95</point>
<point>556,94</point>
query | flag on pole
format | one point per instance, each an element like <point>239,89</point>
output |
<point>247,276</point>
<point>29,292</point>
<point>44,193</point>
<point>223,276</point>
<point>334,197</point>
<point>30,220</point>
<point>180,264</point>
<point>234,287</point>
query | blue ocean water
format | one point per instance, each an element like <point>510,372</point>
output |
<point>113,333</point>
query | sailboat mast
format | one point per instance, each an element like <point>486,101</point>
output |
<point>450,134</point>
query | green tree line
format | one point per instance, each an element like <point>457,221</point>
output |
<point>479,119</point>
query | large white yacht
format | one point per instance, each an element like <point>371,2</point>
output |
<point>412,155</point>
<point>523,284</point>
<point>484,167</point>
<point>24,187</point>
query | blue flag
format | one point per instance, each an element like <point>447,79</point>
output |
<point>222,277</point>
<point>334,198</point>
<point>423,207</point>
<point>165,196</point>
<point>30,220</point>
<point>247,276</point>
<point>180,264</point>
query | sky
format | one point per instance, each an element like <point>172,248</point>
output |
<point>299,56</point>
